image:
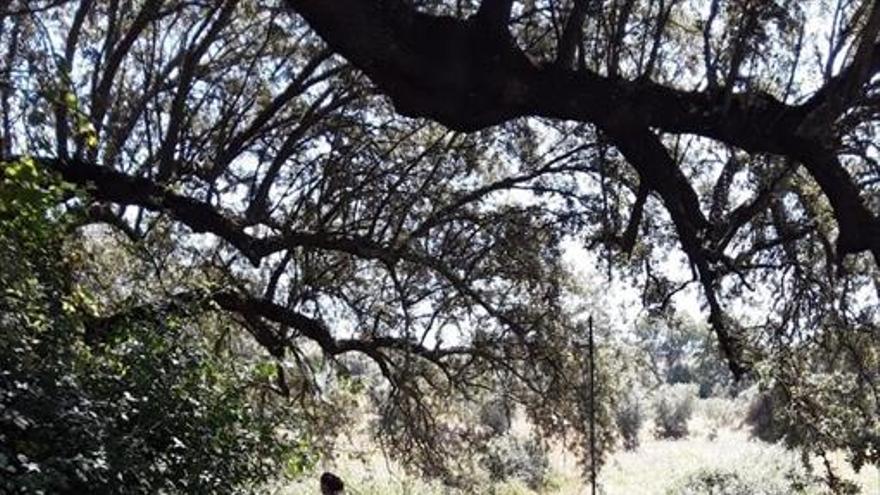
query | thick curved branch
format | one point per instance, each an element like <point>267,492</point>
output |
<point>724,232</point>
<point>843,90</point>
<point>495,13</point>
<point>166,152</point>
<point>628,238</point>
<point>442,68</point>
<point>109,185</point>
<point>255,312</point>
<point>105,184</point>
<point>98,213</point>
<point>858,228</point>
<point>456,73</point>
<point>101,92</point>
<point>658,171</point>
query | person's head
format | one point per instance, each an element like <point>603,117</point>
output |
<point>331,484</point>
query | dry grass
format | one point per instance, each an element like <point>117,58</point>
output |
<point>652,469</point>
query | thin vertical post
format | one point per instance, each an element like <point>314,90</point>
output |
<point>592,411</point>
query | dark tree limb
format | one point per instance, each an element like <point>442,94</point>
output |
<point>628,238</point>
<point>495,14</point>
<point>98,213</point>
<point>725,231</point>
<point>572,34</point>
<point>101,94</point>
<point>843,90</point>
<point>858,228</point>
<point>105,184</point>
<point>166,153</point>
<point>259,315</point>
<point>62,125</point>
<point>444,69</point>
<point>646,153</point>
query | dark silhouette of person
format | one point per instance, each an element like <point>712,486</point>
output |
<point>331,484</point>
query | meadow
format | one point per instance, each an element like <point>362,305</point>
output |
<point>718,443</point>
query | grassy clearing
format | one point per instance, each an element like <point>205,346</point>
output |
<point>715,442</point>
<point>657,465</point>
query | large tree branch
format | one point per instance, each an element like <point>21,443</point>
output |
<point>442,68</point>
<point>457,73</point>
<point>657,169</point>
<point>105,184</point>
<point>101,93</point>
<point>166,153</point>
<point>738,217</point>
<point>858,228</point>
<point>495,14</point>
<point>628,238</point>
<point>255,312</point>
<point>843,90</point>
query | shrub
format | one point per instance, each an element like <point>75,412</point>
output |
<point>720,413</point>
<point>150,413</point>
<point>146,406</point>
<point>765,418</point>
<point>673,408</point>
<point>712,482</point>
<point>630,417</point>
<point>495,415</point>
<point>679,373</point>
<point>823,412</point>
<point>724,482</point>
<point>509,458</point>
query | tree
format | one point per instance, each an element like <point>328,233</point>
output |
<point>250,140</point>
<point>730,79</point>
<point>255,176</point>
<point>677,350</point>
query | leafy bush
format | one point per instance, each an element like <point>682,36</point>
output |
<point>720,413</point>
<point>712,482</point>
<point>679,373</point>
<point>510,458</point>
<point>630,417</point>
<point>150,413</point>
<point>724,482</point>
<point>673,408</point>
<point>145,407</point>
<point>771,419</point>
<point>766,424</point>
<point>495,415</point>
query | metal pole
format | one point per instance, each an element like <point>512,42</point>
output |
<point>592,412</point>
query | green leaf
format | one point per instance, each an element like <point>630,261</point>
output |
<point>70,100</point>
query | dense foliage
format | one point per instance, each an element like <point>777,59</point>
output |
<point>673,408</point>
<point>630,416</point>
<point>512,458</point>
<point>721,482</point>
<point>149,407</point>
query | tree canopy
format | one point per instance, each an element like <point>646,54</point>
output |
<point>403,180</point>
